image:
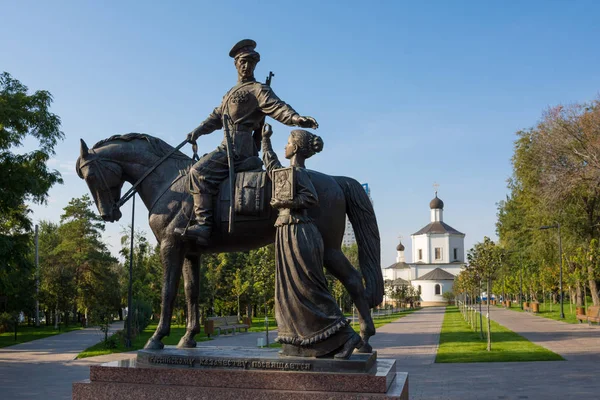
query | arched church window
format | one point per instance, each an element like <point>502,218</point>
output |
<point>438,289</point>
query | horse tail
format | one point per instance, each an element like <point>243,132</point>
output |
<point>362,216</point>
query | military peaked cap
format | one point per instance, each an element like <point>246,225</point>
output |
<point>245,46</point>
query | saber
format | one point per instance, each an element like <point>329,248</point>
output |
<point>231,165</point>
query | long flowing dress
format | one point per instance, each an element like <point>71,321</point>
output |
<point>309,321</point>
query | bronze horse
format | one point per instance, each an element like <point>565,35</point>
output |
<point>128,157</point>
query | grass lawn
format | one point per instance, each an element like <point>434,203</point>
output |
<point>552,311</point>
<point>460,344</point>
<point>28,333</point>
<point>258,324</point>
<point>386,319</point>
<point>177,331</point>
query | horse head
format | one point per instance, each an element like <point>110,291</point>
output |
<point>104,178</point>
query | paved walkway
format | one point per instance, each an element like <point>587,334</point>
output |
<point>413,341</point>
<point>574,342</point>
<point>45,368</point>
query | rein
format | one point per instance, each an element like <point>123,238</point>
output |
<point>131,192</point>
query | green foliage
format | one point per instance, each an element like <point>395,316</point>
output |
<point>7,322</point>
<point>25,177</point>
<point>77,272</point>
<point>556,178</point>
<point>147,269</point>
<point>141,314</point>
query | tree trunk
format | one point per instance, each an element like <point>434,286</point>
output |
<point>56,318</point>
<point>239,312</point>
<point>578,294</point>
<point>480,312</point>
<point>489,323</point>
<point>593,287</point>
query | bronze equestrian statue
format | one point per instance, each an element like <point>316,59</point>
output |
<point>162,176</point>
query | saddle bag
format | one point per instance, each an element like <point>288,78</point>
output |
<point>250,193</point>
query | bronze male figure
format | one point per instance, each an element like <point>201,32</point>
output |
<point>240,113</point>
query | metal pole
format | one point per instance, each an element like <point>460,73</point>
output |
<point>37,277</point>
<point>266,322</point>
<point>130,289</point>
<point>562,311</point>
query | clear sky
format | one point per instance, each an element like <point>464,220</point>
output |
<point>406,93</point>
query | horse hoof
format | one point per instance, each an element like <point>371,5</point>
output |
<point>154,344</point>
<point>365,348</point>
<point>186,343</point>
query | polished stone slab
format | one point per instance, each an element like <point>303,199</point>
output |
<point>222,373</point>
<point>250,358</point>
<point>87,390</point>
<point>377,380</point>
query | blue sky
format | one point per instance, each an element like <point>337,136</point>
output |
<point>406,93</point>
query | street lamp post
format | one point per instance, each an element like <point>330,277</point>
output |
<point>560,285</point>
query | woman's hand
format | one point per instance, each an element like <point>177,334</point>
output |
<point>276,203</point>
<point>267,131</point>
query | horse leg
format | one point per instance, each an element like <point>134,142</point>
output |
<point>172,259</point>
<point>339,266</point>
<point>191,278</point>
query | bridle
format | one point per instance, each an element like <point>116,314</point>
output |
<point>131,192</point>
<point>106,188</point>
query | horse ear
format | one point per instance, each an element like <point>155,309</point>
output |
<point>84,148</point>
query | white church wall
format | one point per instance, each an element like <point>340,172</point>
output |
<point>441,242</point>
<point>404,274</point>
<point>457,242</point>
<point>420,243</point>
<point>428,296</point>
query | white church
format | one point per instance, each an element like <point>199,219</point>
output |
<point>438,257</point>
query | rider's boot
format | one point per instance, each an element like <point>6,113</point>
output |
<point>203,208</point>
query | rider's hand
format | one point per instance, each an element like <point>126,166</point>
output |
<point>308,122</point>
<point>267,131</point>
<point>192,136</point>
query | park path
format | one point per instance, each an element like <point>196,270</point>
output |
<point>411,340</point>
<point>45,368</point>
<point>575,342</point>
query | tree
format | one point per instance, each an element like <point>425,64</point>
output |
<point>80,262</point>
<point>558,163</point>
<point>484,260</point>
<point>240,286</point>
<point>25,177</point>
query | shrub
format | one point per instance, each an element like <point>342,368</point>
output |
<point>141,313</point>
<point>7,322</point>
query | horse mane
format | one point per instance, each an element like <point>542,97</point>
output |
<point>159,147</point>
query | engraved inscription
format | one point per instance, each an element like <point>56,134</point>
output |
<point>229,363</point>
<point>189,361</point>
<point>281,365</point>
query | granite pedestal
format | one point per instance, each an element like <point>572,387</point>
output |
<point>223,373</point>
